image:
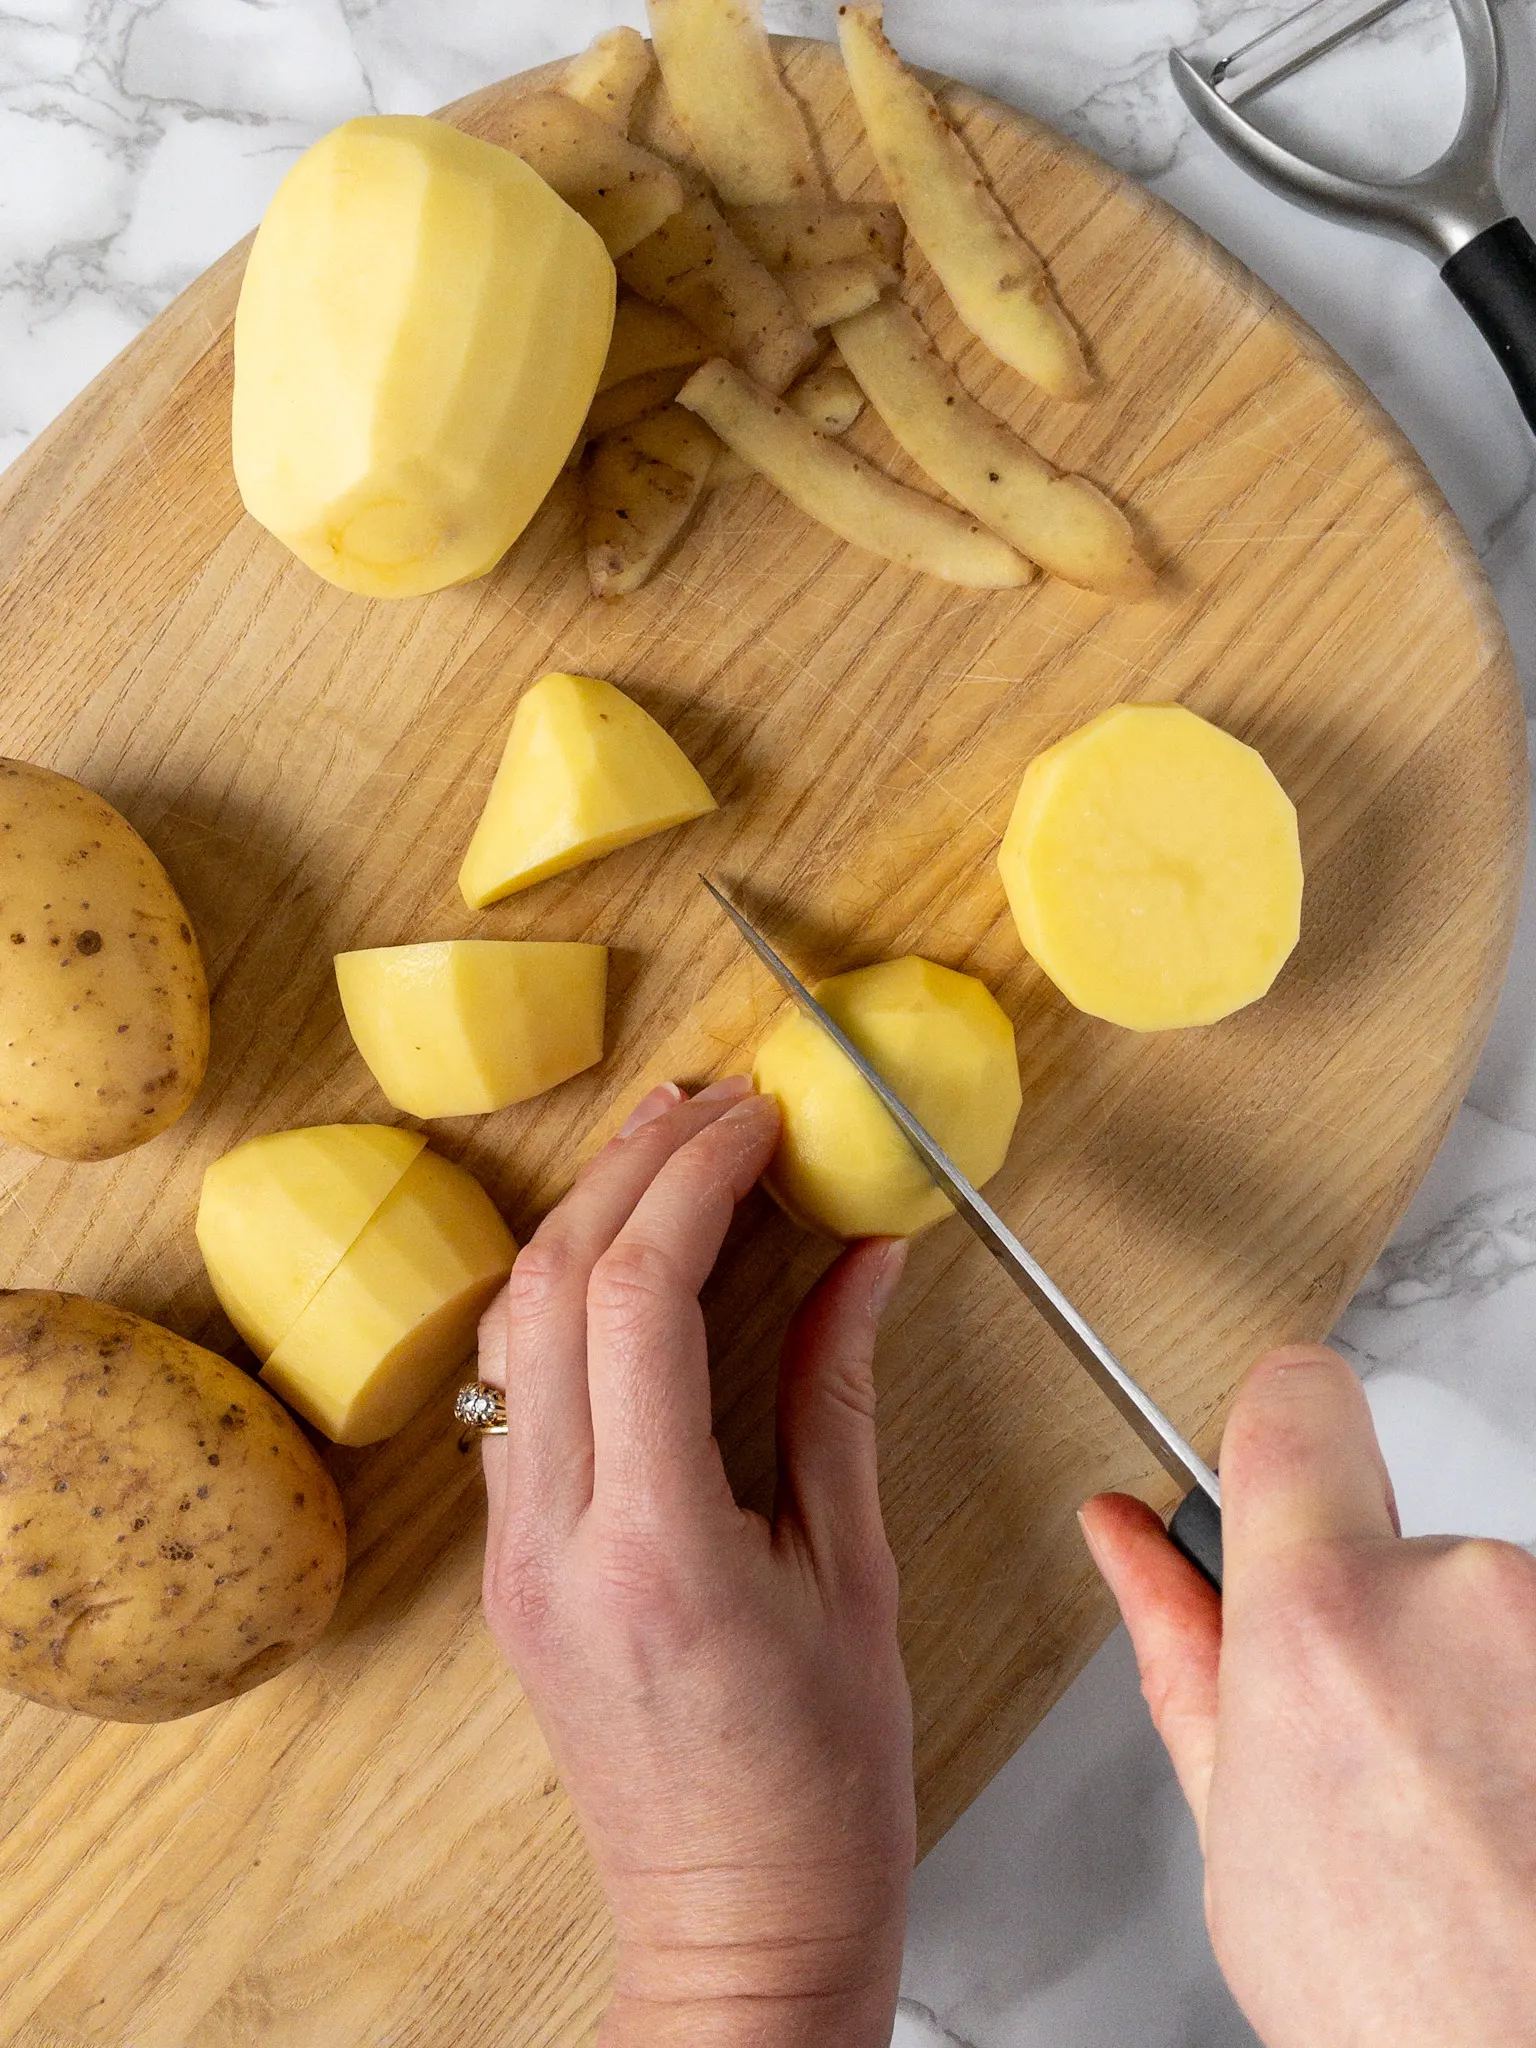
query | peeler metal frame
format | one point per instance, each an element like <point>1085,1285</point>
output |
<point>1453,210</point>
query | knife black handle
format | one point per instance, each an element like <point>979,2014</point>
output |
<point>1494,277</point>
<point>1196,1531</point>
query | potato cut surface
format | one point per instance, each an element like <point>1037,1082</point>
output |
<point>421,328</point>
<point>1153,869</point>
<point>460,1027</point>
<point>401,1309</point>
<point>585,771</point>
<point>943,1043</point>
<point>278,1212</point>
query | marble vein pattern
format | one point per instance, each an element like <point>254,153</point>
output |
<point>139,138</point>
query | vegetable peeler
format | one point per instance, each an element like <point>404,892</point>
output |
<point>1454,210</point>
<point>1196,1524</point>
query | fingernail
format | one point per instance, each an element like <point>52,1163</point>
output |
<point>1093,1548</point>
<point>728,1090</point>
<point>887,1277</point>
<point>651,1106</point>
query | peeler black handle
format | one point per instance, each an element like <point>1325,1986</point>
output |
<point>1196,1531</point>
<point>1494,277</point>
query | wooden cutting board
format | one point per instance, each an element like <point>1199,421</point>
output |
<point>372,1849</point>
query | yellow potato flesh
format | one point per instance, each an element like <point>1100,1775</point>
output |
<point>460,1027</point>
<point>400,1310</point>
<point>420,331</point>
<point>942,1042</point>
<point>585,771</point>
<point>278,1213</point>
<point>1153,869</point>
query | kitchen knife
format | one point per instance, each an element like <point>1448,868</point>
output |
<point>1196,1524</point>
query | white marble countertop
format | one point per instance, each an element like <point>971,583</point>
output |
<point>139,138</point>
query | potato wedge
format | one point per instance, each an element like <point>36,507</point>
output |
<point>643,485</point>
<point>835,291</point>
<point>622,404</point>
<point>647,337</point>
<point>697,267</point>
<point>609,73</point>
<point>723,81</point>
<point>996,281</point>
<point>1064,523</point>
<point>801,233</point>
<point>858,502</point>
<point>828,396</point>
<point>624,191</point>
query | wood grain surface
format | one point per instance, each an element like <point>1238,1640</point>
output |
<point>373,1849</point>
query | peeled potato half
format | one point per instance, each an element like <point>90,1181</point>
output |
<point>1153,868</point>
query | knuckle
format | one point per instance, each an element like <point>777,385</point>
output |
<point>1493,1575</point>
<point>629,1279</point>
<point>539,1274</point>
<point>519,1594</point>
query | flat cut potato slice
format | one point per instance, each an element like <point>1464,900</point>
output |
<point>996,281</point>
<point>624,191</point>
<point>655,126</point>
<point>642,486</point>
<point>835,291</point>
<point>721,77</point>
<point>647,337</point>
<point>1064,523</point>
<point>859,503</point>
<point>800,233</point>
<point>622,404</point>
<point>697,267</point>
<point>828,396</point>
<point>609,73</point>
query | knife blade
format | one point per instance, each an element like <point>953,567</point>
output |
<point>1196,1524</point>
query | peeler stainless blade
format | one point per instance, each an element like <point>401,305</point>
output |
<point>1453,210</point>
<point>1196,1524</point>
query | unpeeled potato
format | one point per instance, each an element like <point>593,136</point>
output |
<point>103,1001</point>
<point>168,1538</point>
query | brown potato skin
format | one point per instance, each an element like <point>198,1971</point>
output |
<point>103,999</point>
<point>168,1537</point>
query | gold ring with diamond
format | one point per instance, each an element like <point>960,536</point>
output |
<point>481,1409</point>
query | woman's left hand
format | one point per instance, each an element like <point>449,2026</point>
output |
<point>723,1695</point>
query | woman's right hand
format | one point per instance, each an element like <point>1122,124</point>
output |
<point>1355,1729</point>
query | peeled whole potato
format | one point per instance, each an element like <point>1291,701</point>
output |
<point>103,1003</point>
<point>585,771</point>
<point>941,1041</point>
<point>462,1027</point>
<point>420,331</point>
<point>1153,868</point>
<point>168,1538</point>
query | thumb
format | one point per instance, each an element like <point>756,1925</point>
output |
<point>1173,1617</point>
<point>1299,1462</point>
<point>826,1414</point>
